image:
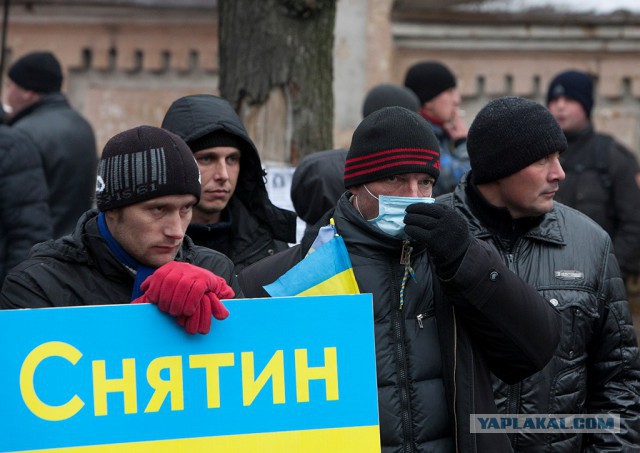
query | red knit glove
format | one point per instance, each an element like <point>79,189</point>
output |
<point>188,292</point>
<point>200,321</point>
<point>178,287</point>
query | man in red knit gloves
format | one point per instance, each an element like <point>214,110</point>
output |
<point>133,248</point>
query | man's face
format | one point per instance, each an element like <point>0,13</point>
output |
<point>219,170</point>
<point>152,231</point>
<point>16,98</point>
<point>569,114</point>
<point>405,185</point>
<point>530,192</point>
<point>443,106</point>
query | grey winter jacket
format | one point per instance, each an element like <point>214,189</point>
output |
<point>596,368</point>
<point>79,269</point>
<point>67,147</point>
<point>24,209</point>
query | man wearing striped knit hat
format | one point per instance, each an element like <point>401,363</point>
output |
<point>447,311</point>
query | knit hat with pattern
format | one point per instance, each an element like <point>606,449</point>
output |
<point>391,141</point>
<point>143,163</point>
<point>509,134</point>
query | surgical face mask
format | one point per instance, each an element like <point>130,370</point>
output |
<point>391,212</point>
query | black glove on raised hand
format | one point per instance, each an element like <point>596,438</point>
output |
<point>443,231</point>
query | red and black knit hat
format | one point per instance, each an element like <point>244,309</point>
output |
<point>391,141</point>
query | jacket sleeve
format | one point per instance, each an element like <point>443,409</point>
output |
<point>21,290</point>
<point>24,198</point>
<point>511,324</point>
<point>614,367</point>
<point>217,263</point>
<point>626,200</point>
<point>252,278</point>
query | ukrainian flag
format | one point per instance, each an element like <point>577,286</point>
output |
<point>326,271</point>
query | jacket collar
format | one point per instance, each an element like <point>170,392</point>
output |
<point>87,246</point>
<point>364,239</point>
<point>486,220</point>
<point>46,101</point>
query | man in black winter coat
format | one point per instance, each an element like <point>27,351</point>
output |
<point>235,215</point>
<point>133,249</point>
<point>24,208</point>
<point>508,201</point>
<point>602,176</point>
<point>64,139</point>
<point>447,310</point>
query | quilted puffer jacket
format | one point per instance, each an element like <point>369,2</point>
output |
<point>596,367</point>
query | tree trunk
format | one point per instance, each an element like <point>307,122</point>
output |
<point>276,69</point>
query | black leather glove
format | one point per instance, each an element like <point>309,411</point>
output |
<point>443,231</point>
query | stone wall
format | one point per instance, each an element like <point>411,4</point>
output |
<point>494,57</point>
<point>125,64</point>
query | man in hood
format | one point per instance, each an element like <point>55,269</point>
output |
<point>235,215</point>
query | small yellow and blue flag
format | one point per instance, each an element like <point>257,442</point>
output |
<point>326,271</point>
<point>325,234</point>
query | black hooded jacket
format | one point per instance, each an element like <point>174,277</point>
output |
<point>257,227</point>
<point>317,184</point>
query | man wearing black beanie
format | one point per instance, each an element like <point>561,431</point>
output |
<point>133,248</point>
<point>447,310</point>
<point>436,87</point>
<point>64,139</point>
<point>515,146</point>
<point>602,176</point>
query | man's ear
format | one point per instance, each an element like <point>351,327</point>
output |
<point>355,189</point>
<point>30,97</point>
<point>113,215</point>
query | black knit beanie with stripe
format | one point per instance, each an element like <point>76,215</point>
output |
<point>391,141</point>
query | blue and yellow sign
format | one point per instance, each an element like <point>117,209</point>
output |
<point>281,374</point>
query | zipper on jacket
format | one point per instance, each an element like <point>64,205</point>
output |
<point>513,401</point>
<point>455,388</point>
<point>401,360</point>
<point>427,314</point>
